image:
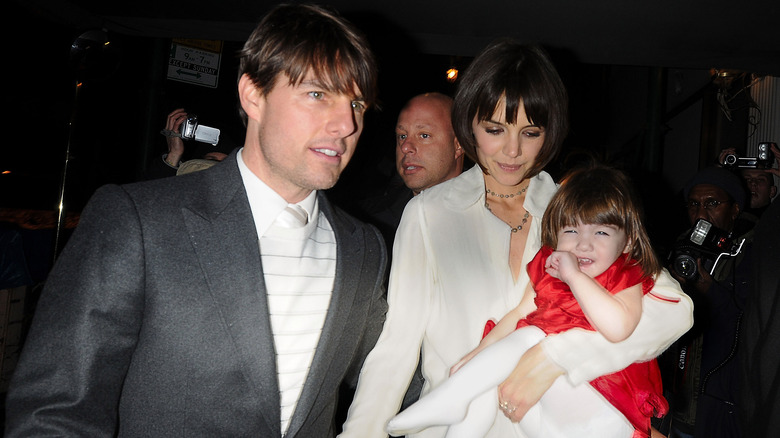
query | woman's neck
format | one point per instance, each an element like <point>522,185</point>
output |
<point>506,202</point>
<point>508,206</point>
<point>495,189</point>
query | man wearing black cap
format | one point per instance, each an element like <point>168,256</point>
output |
<point>705,396</point>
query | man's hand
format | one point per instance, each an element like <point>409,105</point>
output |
<point>772,170</point>
<point>704,280</point>
<point>531,378</point>
<point>700,284</point>
<point>775,170</point>
<point>723,153</point>
<point>175,144</point>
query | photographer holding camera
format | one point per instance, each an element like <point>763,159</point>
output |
<point>705,381</point>
<point>758,174</point>
<point>175,161</point>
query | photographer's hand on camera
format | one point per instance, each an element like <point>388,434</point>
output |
<point>175,144</point>
<point>700,284</point>
<point>766,158</point>
<point>703,281</point>
<point>724,153</point>
<point>775,170</point>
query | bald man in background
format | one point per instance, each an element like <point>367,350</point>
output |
<point>426,153</point>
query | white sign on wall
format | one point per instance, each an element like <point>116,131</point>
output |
<point>195,61</point>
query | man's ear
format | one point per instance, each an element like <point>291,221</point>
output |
<point>737,210</point>
<point>772,191</point>
<point>251,97</point>
<point>458,149</point>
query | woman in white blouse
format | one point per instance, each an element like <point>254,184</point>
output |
<point>462,246</point>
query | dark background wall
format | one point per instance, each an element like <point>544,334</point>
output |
<point>661,124</point>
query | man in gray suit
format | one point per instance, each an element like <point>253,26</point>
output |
<point>234,324</point>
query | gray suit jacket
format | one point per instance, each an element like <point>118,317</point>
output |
<point>154,322</point>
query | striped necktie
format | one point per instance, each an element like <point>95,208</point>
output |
<point>293,216</point>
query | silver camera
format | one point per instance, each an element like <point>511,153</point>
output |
<point>763,160</point>
<point>192,130</point>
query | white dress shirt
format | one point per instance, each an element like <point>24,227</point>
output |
<point>299,266</point>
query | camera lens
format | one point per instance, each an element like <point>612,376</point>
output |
<point>685,266</point>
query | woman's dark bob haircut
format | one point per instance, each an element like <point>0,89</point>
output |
<point>514,73</point>
<point>297,39</point>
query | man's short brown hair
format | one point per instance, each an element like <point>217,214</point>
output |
<point>297,39</point>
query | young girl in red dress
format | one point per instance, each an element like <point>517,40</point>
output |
<point>595,277</point>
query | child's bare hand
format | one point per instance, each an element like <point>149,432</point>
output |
<point>561,264</point>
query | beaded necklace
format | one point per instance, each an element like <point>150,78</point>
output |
<point>511,195</point>
<point>501,195</point>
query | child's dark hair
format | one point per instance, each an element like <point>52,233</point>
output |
<point>599,194</point>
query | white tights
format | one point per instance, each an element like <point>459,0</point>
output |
<point>468,400</point>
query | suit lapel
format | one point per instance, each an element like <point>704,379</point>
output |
<point>224,238</point>
<point>350,249</point>
<point>225,241</point>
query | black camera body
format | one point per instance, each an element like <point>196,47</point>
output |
<point>764,159</point>
<point>705,242</point>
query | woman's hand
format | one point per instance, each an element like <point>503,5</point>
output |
<point>531,378</point>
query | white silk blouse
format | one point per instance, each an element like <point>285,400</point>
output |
<point>450,274</point>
